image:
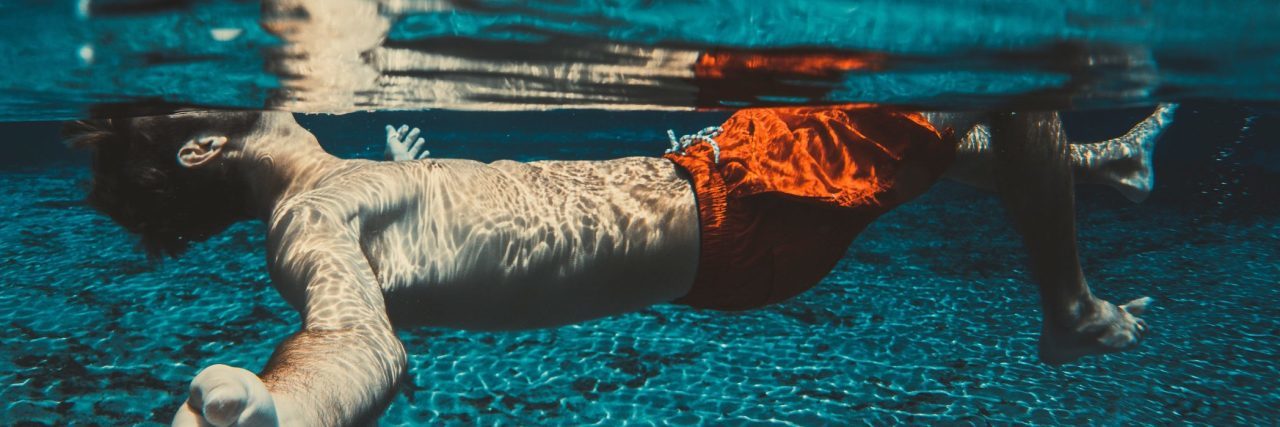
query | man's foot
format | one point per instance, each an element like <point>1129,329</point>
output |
<point>1127,167</point>
<point>1099,327</point>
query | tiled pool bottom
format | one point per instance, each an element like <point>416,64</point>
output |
<point>929,319</point>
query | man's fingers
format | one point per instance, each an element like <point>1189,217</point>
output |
<point>413,135</point>
<point>224,404</point>
<point>218,394</point>
<point>393,136</point>
<point>188,417</point>
<point>417,145</point>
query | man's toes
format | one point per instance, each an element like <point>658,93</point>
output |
<point>1120,340</point>
<point>1137,306</point>
<point>1134,333</point>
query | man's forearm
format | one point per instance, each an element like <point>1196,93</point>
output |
<point>335,377</point>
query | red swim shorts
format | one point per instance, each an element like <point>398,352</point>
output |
<point>793,187</point>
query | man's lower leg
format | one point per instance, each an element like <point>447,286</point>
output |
<point>1034,176</point>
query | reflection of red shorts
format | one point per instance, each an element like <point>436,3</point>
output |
<point>794,186</point>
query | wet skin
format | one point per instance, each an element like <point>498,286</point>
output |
<point>357,246</point>
<point>546,244</point>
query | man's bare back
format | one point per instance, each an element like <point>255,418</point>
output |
<point>357,246</point>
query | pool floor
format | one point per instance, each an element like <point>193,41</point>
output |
<point>929,319</point>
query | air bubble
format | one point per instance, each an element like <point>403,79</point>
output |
<point>86,54</point>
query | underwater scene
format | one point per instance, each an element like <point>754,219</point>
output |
<point>541,291</point>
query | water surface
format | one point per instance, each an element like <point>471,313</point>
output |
<point>361,55</point>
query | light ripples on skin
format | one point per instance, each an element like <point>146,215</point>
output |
<point>513,245</point>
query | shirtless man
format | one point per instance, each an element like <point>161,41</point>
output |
<point>732,218</point>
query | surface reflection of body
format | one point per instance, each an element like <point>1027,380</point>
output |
<point>359,246</point>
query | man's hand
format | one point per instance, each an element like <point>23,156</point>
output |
<point>225,396</point>
<point>404,144</point>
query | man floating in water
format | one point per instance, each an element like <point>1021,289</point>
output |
<point>733,218</point>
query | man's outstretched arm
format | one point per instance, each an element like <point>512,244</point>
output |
<point>341,368</point>
<point>1034,176</point>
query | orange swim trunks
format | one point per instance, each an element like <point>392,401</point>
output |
<point>791,190</point>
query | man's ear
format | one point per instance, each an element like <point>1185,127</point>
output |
<point>199,151</point>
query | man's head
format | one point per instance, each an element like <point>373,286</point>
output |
<point>166,178</point>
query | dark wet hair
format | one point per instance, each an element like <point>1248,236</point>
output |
<point>138,182</point>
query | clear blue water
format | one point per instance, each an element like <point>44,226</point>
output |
<point>350,55</point>
<point>929,320</point>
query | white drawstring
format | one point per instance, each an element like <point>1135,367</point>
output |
<point>679,145</point>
